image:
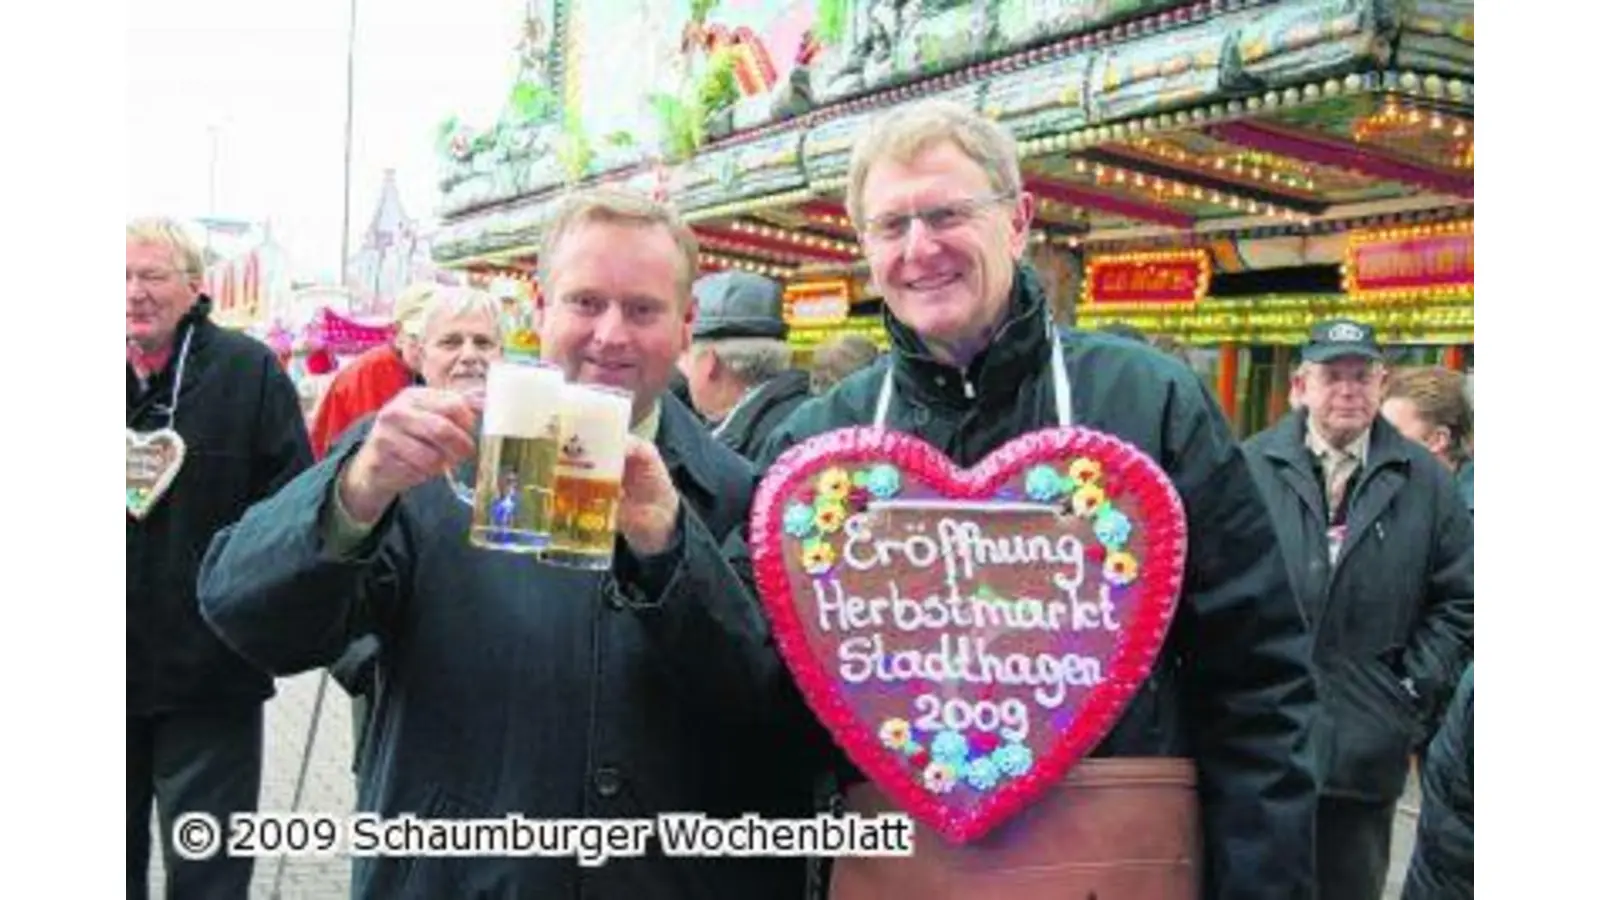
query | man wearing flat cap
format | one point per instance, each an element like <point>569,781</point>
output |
<point>1379,549</point>
<point>738,366</point>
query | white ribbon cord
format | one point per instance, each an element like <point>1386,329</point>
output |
<point>177,380</point>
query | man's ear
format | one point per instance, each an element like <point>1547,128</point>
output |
<point>1021,221</point>
<point>1439,439</point>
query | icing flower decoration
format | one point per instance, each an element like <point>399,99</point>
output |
<point>883,481</point>
<point>985,741</point>
<point>1121,568</point>
<point>1014,759</point>
<point>1087,499</point>
<point>950,747</point>
<point>833,485</point>
<point>895,734</point>
<point>939,777</point>
<point>1084,471</point>
<point>1112,528</point>
<point>797,520</point>
<point>983,774</point>
<point>1042,484</point>
<point>830,515</point>
<point>816,557</point>
<point>920,757</point>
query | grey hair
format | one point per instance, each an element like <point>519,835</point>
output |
<point>454,302</point>
<point>750,360</point>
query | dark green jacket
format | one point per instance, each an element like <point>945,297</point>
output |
<point>1232,687</point>
<point>1392,618</point>
<point>749,424</point>
<point>1441,865</point>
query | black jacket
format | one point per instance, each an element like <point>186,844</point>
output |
<point>747,429</point>
<point>1394,611</point>
<point>240,419</point>
<point>1232,687</point>
<point>505,685</point>
<point>1441,864</point>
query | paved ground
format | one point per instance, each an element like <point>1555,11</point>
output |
<point>1405,833</point>
<point>331,788</point>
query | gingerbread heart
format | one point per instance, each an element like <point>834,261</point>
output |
<point>153,462</point>
<point>968,636</point>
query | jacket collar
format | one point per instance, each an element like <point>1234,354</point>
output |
<point>158,391</point>
<point>1019,350</point>
<point>754,404</point>
<point>1286,443</point>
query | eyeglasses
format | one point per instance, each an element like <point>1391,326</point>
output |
<point>947,217</point>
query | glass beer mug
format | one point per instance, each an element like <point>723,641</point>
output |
<point>513,475</point>
<point>588,475</point>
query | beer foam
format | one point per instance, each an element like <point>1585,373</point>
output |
<point>594,432</point>
<point>521,400</point>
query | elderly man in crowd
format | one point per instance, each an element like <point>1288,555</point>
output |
<point>506,685</point>
<point>738,366</point>
<point>214,425</point>
<point>1379,549</point>
<point>453,335</point>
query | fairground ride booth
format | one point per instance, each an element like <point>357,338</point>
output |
<point>1216,174</point>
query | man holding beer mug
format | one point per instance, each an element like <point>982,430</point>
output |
<point>513,685</point>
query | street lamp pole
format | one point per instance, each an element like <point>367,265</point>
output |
<point>349,120</point>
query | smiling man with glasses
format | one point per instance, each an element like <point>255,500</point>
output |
<point>937,196</point>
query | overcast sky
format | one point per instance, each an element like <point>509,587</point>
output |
<point>262,87</point>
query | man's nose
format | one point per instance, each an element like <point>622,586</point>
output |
<point>919,240</point>
<point>611,326</point>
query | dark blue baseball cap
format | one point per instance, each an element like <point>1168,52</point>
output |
<point>1333,338</point>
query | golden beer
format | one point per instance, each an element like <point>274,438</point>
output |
<point>588,475</point>
<point>511,504</point>
<point>513,487</point>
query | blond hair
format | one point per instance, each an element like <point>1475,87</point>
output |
<point>1440,397</point>
<point>613,206</point>
<point>906,131</point>
<point>171,234</point>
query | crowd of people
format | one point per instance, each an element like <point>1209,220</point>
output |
<point>1323,639</point>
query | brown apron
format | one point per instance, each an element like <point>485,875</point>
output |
<point>1114,829</point>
